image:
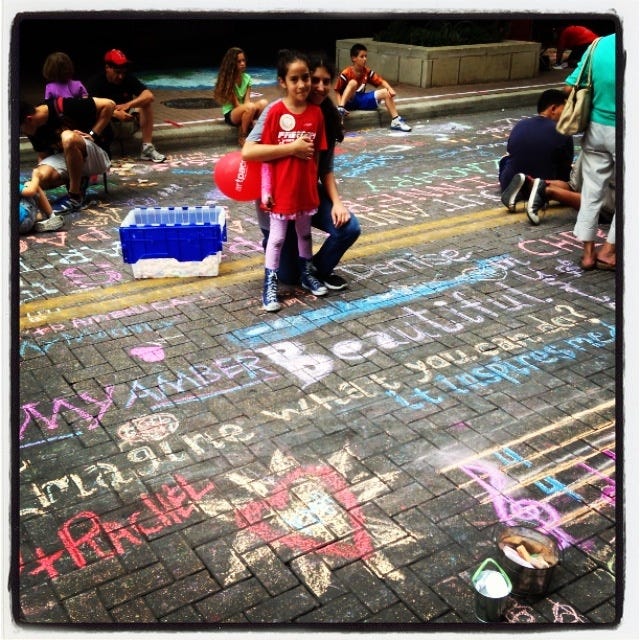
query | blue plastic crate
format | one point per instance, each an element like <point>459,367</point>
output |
<point>185,234</point>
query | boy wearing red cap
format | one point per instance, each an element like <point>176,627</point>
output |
<point>117,84</point>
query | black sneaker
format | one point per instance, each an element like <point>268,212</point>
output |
<point>510,195</point>
<point>537,200</point>
<point>68,204</point>
<point>334,282</point>
<point>270,291</point>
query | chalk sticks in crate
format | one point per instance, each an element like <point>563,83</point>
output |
<point>160,242</point>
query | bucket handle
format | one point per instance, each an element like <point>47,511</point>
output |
<point>497,566</point>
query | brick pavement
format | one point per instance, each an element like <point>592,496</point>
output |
<point>186,458</point>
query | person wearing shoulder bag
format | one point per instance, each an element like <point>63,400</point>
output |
<point>598,154</point>
<point>575,116</point>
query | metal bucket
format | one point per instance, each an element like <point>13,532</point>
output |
<point>492,588</point>
<point>527,580</point>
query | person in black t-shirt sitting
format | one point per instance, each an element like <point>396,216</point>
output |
<point>131,97</point>
<point>67,134</point>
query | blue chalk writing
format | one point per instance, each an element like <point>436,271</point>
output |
<point>336,311</point>
<point>518,368</point>
<point>69,338</point>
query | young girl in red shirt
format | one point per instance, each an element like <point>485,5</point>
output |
<point>290,183</point>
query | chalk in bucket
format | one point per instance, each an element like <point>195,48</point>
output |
<point>530,558</point>
<point>492,587</point>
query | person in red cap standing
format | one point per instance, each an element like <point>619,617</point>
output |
<point>129,93</point>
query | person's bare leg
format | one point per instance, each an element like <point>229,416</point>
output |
<point>74,149</point>
<point>146,123</point>
<point>607,254</point>
<point>46,177</point>
<point>562,195</point>
<point>389,102</point>
<point>588,255</point>
<point>348,93</point>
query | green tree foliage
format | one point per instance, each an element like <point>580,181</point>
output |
<point>442,33</point>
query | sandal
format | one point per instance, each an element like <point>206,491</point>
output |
<point>584,267</point>
<point>604,266</point>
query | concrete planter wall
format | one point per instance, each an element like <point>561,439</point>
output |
<point>443,66</point>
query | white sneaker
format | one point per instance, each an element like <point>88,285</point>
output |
<point>342,112</point>
<point>53,223</point>
<point>537,201</point>
<point>149,152</point>
<point>510,195</point>
<point>398,124</point>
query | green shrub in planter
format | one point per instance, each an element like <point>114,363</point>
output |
<point>442,33</point>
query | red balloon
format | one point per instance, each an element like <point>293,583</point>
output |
<point>238,179</point>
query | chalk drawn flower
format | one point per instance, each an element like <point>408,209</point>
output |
<point>147,428</point>
<point>315,533</point>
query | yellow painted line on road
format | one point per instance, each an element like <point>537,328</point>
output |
<point>137,292</point>
<point>408,237</point>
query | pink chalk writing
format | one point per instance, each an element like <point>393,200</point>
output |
<point>94,234</point>
<point>148,352</point>
<point>58,239</point>
<point>102,273</point>
<point>609,491</point>
<point>566,614</point>
<point>86,535</point>
<point>148,428</point>
<point>32,413</point>
<point>511,511</point>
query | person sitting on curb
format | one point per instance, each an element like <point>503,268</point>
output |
<point>58,71</point>
<point>233,92</point>
<point>352,94</point>
<point>536,149</point>
<point>66,134</point>
<point>133,99</point>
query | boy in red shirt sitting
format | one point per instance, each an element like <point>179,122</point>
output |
<point>352,94</point>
